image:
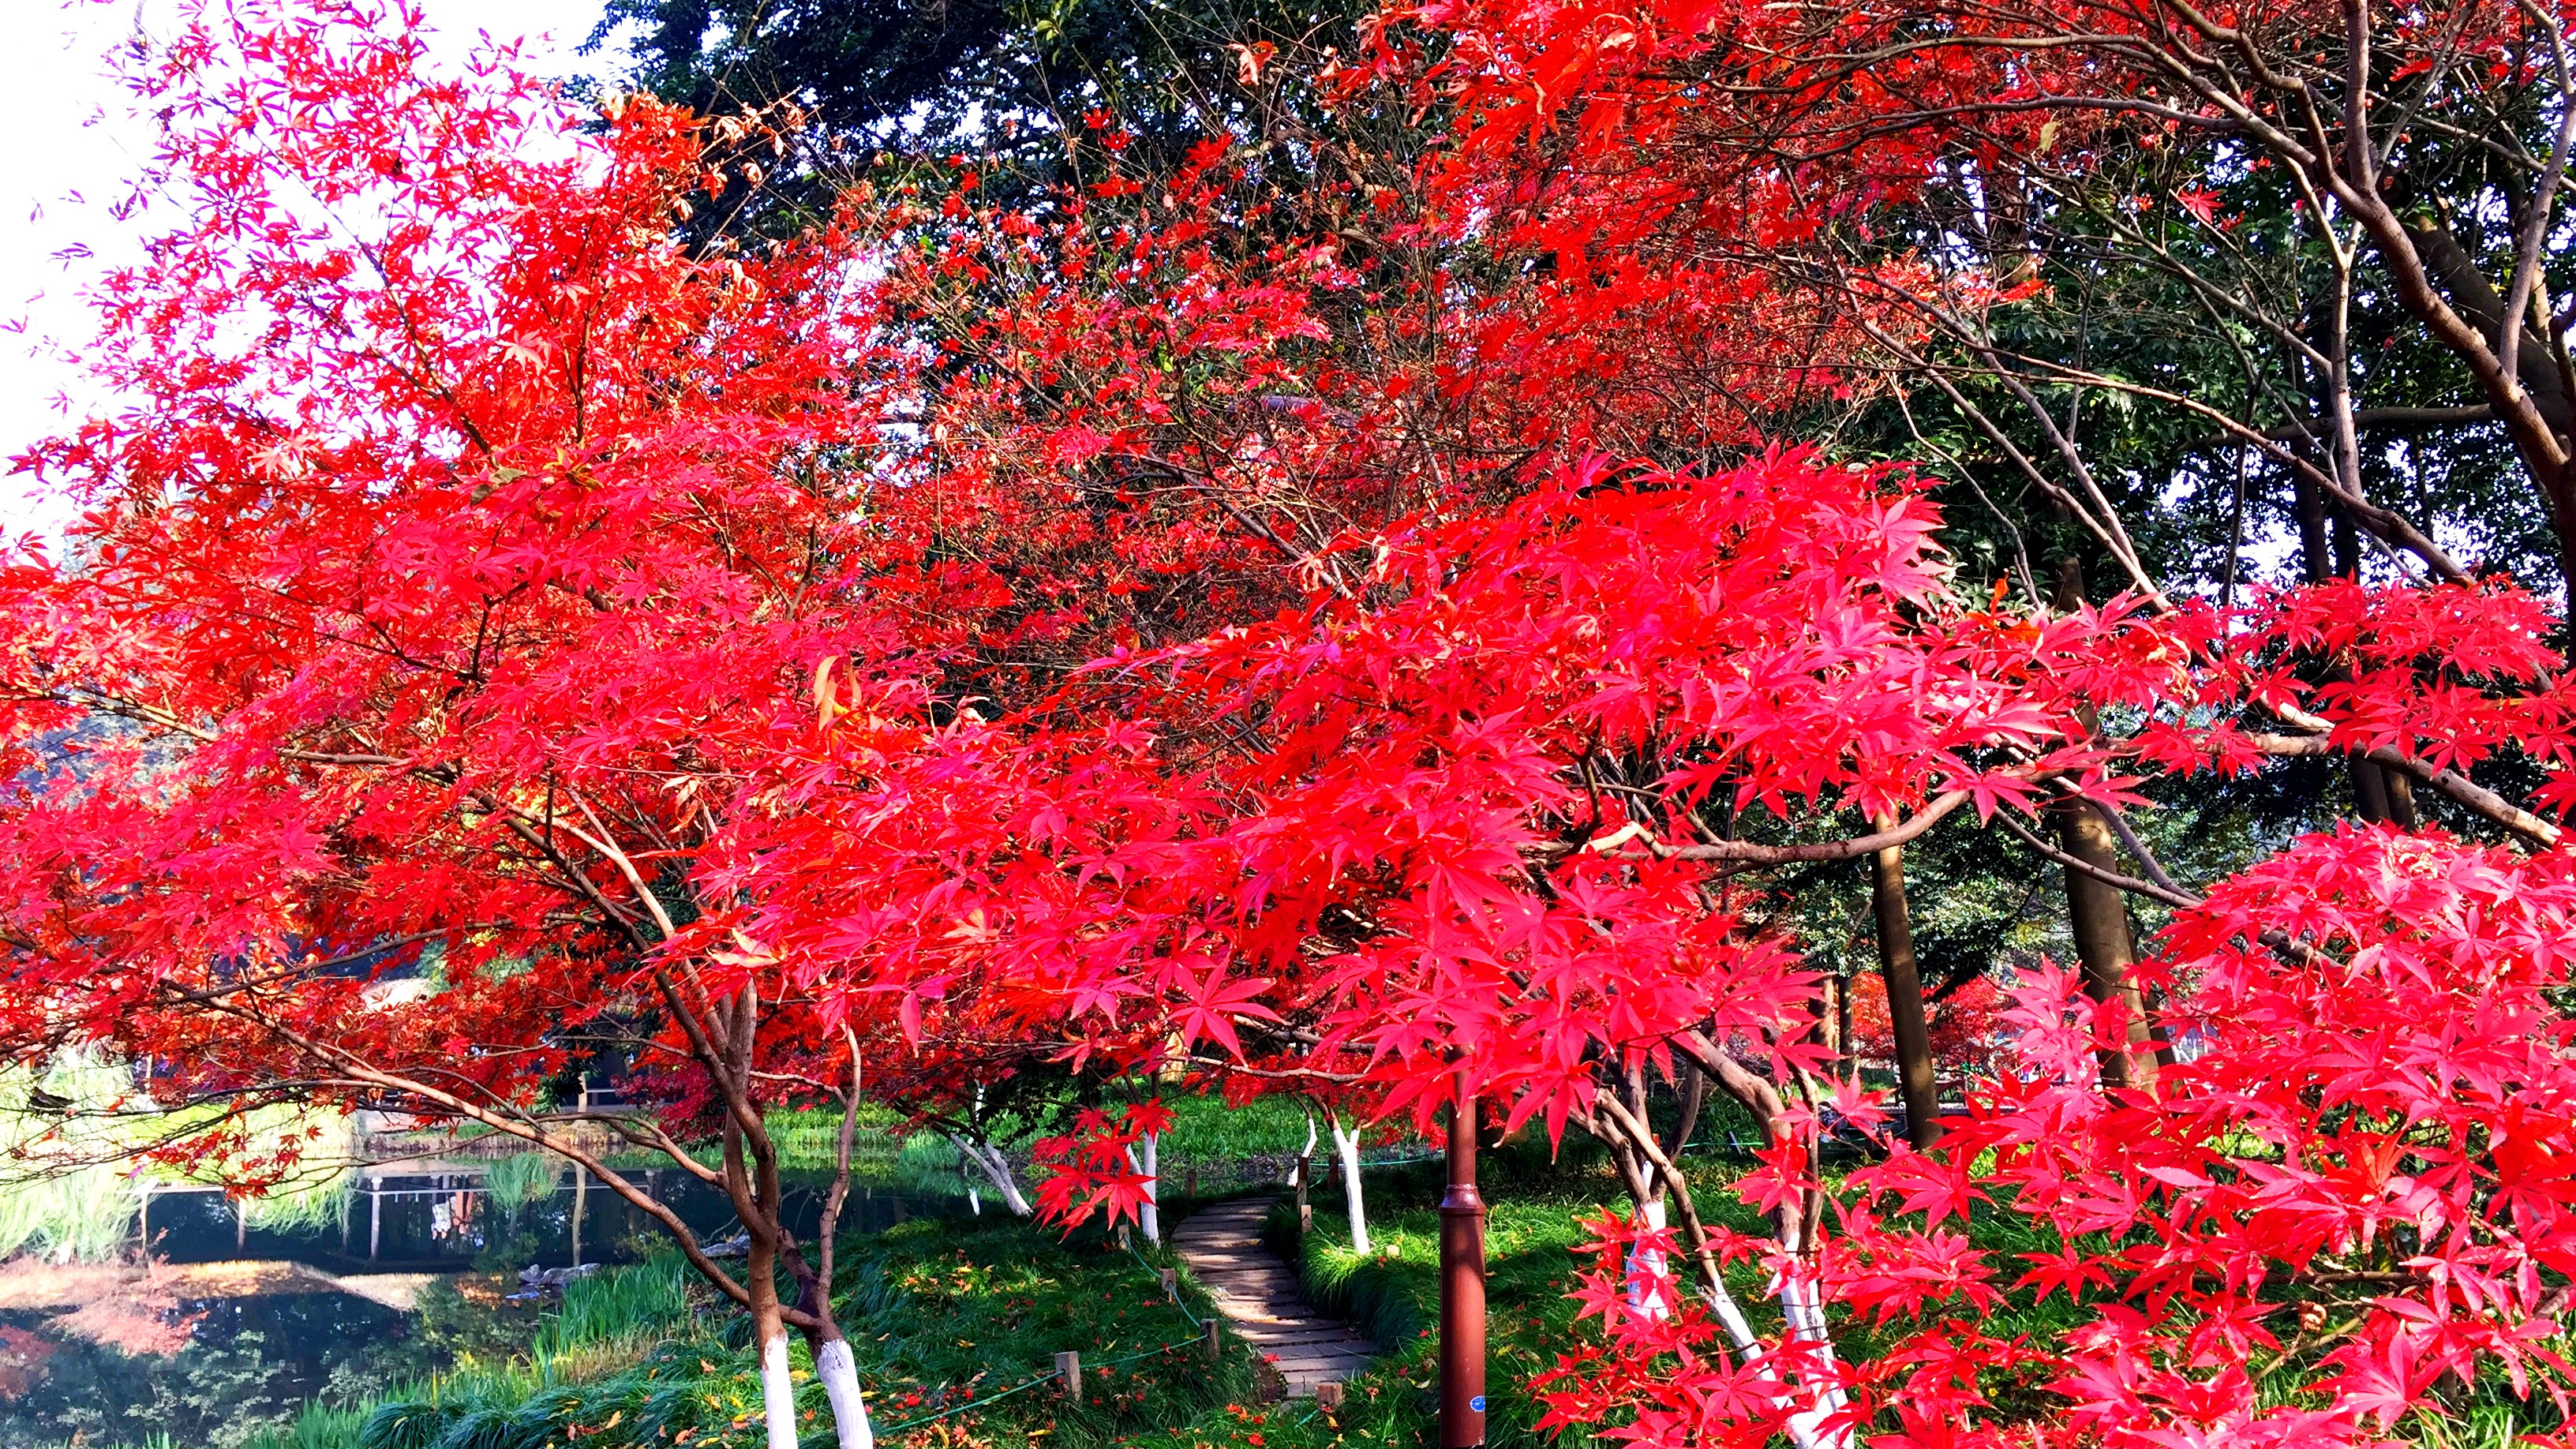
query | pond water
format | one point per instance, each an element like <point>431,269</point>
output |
<point>124,1365</point>
<point>248,1362</point>
<point>444,1220</point>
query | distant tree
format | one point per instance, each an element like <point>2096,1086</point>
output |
<point>1040,97</point>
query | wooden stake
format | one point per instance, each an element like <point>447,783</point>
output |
<point>1068,1367</point>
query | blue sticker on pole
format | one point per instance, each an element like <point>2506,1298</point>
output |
<point>1477,1403</point>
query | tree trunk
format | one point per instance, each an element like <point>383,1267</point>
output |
<point>1640,1164</point>
<point>1305,1178</point>
<point>769,1330</point>
<point>1649,1266</point>
<point>1917,1080</point>
<point>2095,911</point>
<point>1843,1033</point>
<point>2401,797</point>
<point>834,1364</point>
<point>2541,419</point>
<point>2374,790</point>
<point>2379,795</point>
<point>1810,1425</point>
<point>840,1375</point>
<point>1149,1216</point>
<point>1832,1003</point>
<point>1346,1144</point>
<point>2100,920</point>
<point>996,1168</point>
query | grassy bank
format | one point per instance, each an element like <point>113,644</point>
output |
<point>955,1324</point>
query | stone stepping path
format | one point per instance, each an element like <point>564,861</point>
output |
<point>1262,1300</point>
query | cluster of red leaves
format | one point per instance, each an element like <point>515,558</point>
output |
<point>1425,848</point>
<point>2359,1169</point>
<point>1966,1024</point>
<point>1381,813</point>
<point>1095,1167</point>
<point>460,522</point>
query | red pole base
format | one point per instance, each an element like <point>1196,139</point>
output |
<point>1462,1289</point>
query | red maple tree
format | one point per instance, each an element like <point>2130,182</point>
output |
<point>452,558</point>
<point>971,637</point>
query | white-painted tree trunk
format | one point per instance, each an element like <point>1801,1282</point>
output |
<point>1806,1427</point>
<point>1346,1145</point>
<point>777,1394</point>
<point>1149,1215</point>
<point>996,1169</point>
<point>1645,1265</point>
<point>1802,1301</point>
<point>839,1371</point>
<point>1801,1304</point>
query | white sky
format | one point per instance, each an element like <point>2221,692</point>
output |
<point>77,141</point>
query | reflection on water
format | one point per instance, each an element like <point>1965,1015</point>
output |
<point>249,1362</point>
<point>402,1220</point>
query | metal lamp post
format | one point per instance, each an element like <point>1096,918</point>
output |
<point>1462,1286</point>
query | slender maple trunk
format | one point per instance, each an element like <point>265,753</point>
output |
<point>834,1364</point>
<point>777,1389</point>
<point>1306,1178</point>
<point>2401,798</point>
<point>1832,1003</point>
<point>1646,1189</point>
<point>1619,1121</point>
<point>1646,1265</point>
<point>1346,1146</point>
<point>2379,795</point>
<point>1843,1032</point>
<point>752,1185</point>
<point>768,1325</point>
<point>2096,913</point>
<point>1691,1084</point>
<point>1647,1296</point>
<point>2310,504</point>
<point>1149,1214</point>
<point>839,1371</point>
<point>2099,918</point>
<point>1812,1404</point>
<point>989,1161</point>
<point>1917,1081</point>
